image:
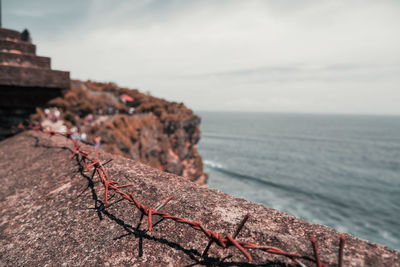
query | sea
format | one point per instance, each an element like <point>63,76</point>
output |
<point>342,171</point>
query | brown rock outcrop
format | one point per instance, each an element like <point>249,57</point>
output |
<point>53,214</point>
<point>154,131</point>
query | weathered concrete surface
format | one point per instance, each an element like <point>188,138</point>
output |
<point>48,216</point>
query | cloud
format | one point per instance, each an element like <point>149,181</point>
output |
<point>302,53</point>
<point>28,13</point>
<point>294,73</point>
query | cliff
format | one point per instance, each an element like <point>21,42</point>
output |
<point>159,133</point>
<point>53,212</point>
<point>154,131</point>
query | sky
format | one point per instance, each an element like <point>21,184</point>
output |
<point>320,56</point>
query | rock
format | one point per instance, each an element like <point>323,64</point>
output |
<point>52,214</point>
<point>159,133</point>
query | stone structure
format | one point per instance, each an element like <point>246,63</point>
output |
<point>52,214</point>
<point>26,80</point>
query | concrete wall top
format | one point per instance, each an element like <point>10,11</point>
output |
<point>52,214</point>
<point>24,60</point>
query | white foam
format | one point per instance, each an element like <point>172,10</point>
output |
<point>212,164</point>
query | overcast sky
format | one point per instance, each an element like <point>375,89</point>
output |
<point>319,56</point>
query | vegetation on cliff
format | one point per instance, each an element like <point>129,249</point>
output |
<point>127,122</point>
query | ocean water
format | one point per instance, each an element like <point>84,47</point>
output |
<point>342,171</point>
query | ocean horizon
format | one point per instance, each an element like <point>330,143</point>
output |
<point>338,170</point>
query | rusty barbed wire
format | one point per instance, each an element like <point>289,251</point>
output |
<point>223,241</point>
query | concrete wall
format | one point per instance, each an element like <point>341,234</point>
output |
<point>53,214</point>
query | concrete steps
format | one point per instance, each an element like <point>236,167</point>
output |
<point>23,60</point>
<point>9,34</point>
<point>21,67</point>
<point>33,77</point>
<point>17,47</point>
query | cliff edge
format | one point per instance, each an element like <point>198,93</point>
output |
<point>52,212</point>
<point>127,122</point>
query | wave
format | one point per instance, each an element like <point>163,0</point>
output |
<point>286,188</point>
<point>233,137</point>
<point>212,164</point>
<point>218,167</point>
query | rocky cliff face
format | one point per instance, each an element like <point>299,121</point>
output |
<point>127,122</point>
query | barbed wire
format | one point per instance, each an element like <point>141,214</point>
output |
<point>224,241</point>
